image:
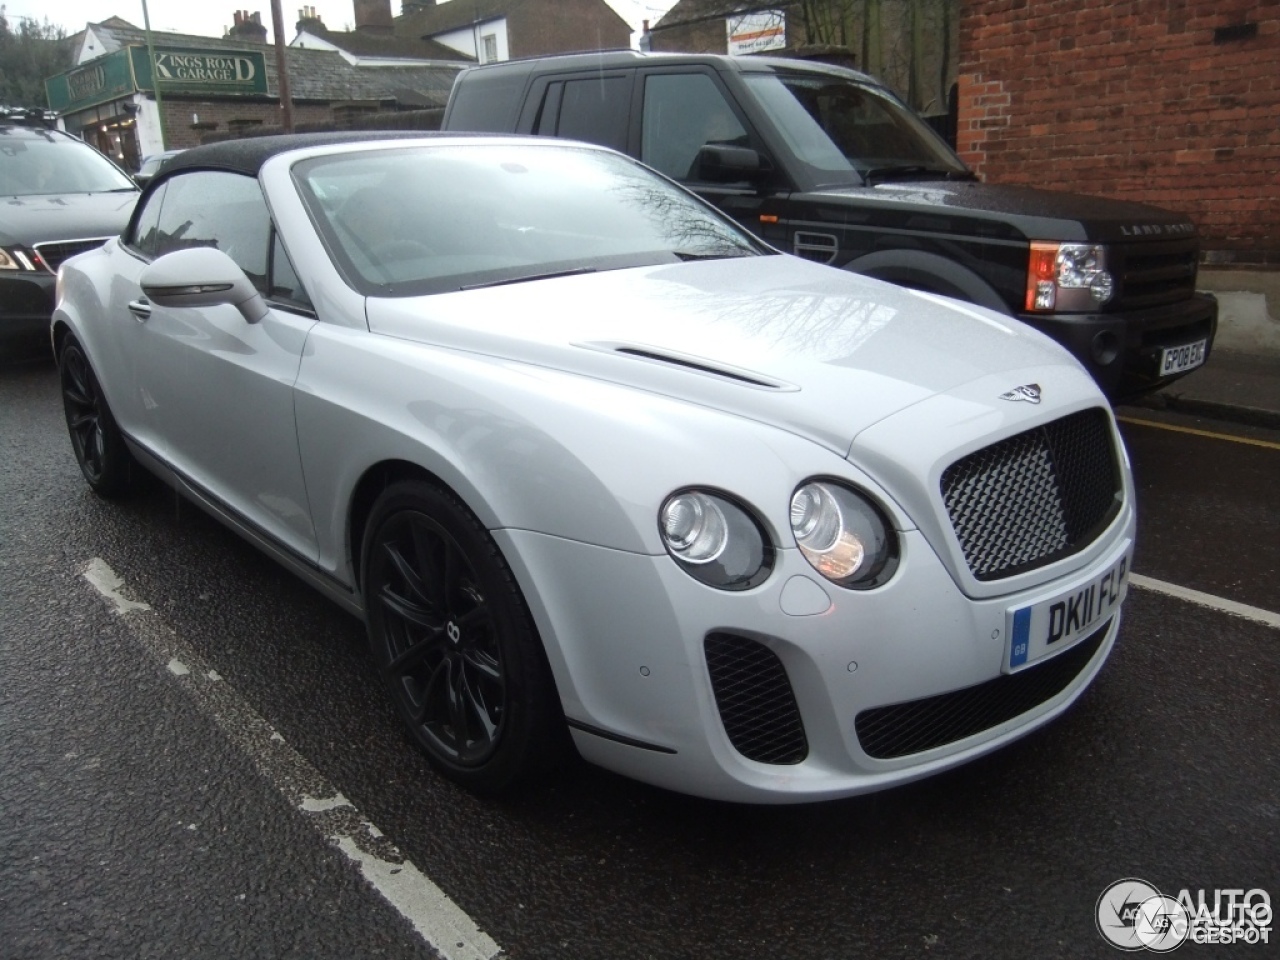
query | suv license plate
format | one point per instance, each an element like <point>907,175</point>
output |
<point>1181,359</point>
<point>1055,623</point>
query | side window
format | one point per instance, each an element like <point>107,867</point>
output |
<point>210,208</point>
<point>285,285</point>
<point>143,237</point>
<point>595,110</point>
<point>682,113</point>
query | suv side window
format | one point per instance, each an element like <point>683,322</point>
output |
<point>209,208</point>
<point>682,113</point>
<point>592,109</point>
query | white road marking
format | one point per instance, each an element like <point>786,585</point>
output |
<point>312,805</point>
<point>437,919</point>
<point>1206,600</point>
<point>106,582</point>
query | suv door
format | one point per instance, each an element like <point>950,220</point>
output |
<point>592,107</point>
<point>681,110</point>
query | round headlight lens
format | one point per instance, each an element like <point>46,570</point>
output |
<point>715,540</point>
<point>694,527</point>
<point>842,535</point>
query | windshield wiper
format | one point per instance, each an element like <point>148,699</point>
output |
<point>913,170</point>
<point>524,278</point>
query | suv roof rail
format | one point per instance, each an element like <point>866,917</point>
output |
<point>28,116</point>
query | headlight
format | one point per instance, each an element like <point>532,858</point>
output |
<point>15,258</point>
<point>715,540</point>
<point>844,536</point>
<point>1068,277</point>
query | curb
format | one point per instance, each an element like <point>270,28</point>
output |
<point>1214,409</point>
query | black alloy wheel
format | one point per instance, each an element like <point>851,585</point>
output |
<point>453,640</point>
<point>98,444</point>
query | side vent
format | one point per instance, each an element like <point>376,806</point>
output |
<point>819,247</point>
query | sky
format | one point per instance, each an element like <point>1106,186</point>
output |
<point>211,18</point>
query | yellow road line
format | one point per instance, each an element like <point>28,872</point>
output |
<point>1270,445</point>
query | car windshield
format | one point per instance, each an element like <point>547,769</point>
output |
<point>853,133</point>
<point>47,164</point>
<point>411,221</point>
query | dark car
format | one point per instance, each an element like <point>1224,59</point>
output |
<point>58,197</point>
<point>828,164</point>
<point>151,166</point>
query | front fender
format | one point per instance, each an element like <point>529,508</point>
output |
<point>530,448</point>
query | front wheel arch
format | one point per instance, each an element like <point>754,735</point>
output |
<point>453,639</point>
<point>931,273</point>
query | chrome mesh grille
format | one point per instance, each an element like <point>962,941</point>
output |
<point>756,703</point>
<point>1034,497</point>
<point>56,251</point>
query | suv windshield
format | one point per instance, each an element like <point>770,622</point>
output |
<point>40,163</point>
<point>853,133</point>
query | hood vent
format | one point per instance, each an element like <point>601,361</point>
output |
<point>696,364</point>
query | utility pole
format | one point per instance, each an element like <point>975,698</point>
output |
<point>155,79</point>
<point>282,69</point>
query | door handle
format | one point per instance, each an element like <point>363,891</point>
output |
<point>140,308</point>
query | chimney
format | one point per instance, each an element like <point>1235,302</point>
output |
<point>373,16</point>
<point>248,27</point>
<point>307,17</point>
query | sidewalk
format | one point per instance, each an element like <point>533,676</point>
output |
<point>1234,386</point>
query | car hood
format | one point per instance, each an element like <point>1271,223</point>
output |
<point>819,352</point>
<point>1036,214</point>
<point>76,216</point>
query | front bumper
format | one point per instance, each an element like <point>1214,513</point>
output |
<point>626,635</point>
<point>1122,351</point>
<point>26,304</point>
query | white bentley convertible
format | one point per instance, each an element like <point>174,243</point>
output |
<point>581,452</point>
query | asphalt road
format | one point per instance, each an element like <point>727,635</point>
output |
<point>139,819</point>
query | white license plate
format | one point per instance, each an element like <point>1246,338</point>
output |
<point>1055,623</point>
<point>1179,359</point>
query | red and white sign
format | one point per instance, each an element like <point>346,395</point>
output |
<point>757,32</point>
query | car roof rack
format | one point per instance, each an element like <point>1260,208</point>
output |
<point>28,116</point>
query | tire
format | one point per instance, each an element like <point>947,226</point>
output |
<point>98,443</point>
<point>454,643</point>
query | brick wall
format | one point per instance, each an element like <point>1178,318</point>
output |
<point>228,116</point>
<point>1170,102</point>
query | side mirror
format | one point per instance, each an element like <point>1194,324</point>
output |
<point>202,277</point>
<point>721,163</point>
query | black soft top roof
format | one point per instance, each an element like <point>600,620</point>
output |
<point>247,156</point>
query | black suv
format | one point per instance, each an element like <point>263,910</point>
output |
<point>58,197</point>
<point>828,164</point>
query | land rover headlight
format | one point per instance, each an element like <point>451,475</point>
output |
<point>843,535</point>
<point>1068,277</point>
<point>12,258</point>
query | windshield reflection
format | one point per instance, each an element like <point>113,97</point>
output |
<point>419,220</point>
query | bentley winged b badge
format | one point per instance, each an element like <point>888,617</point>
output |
<point>1029,392</point>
